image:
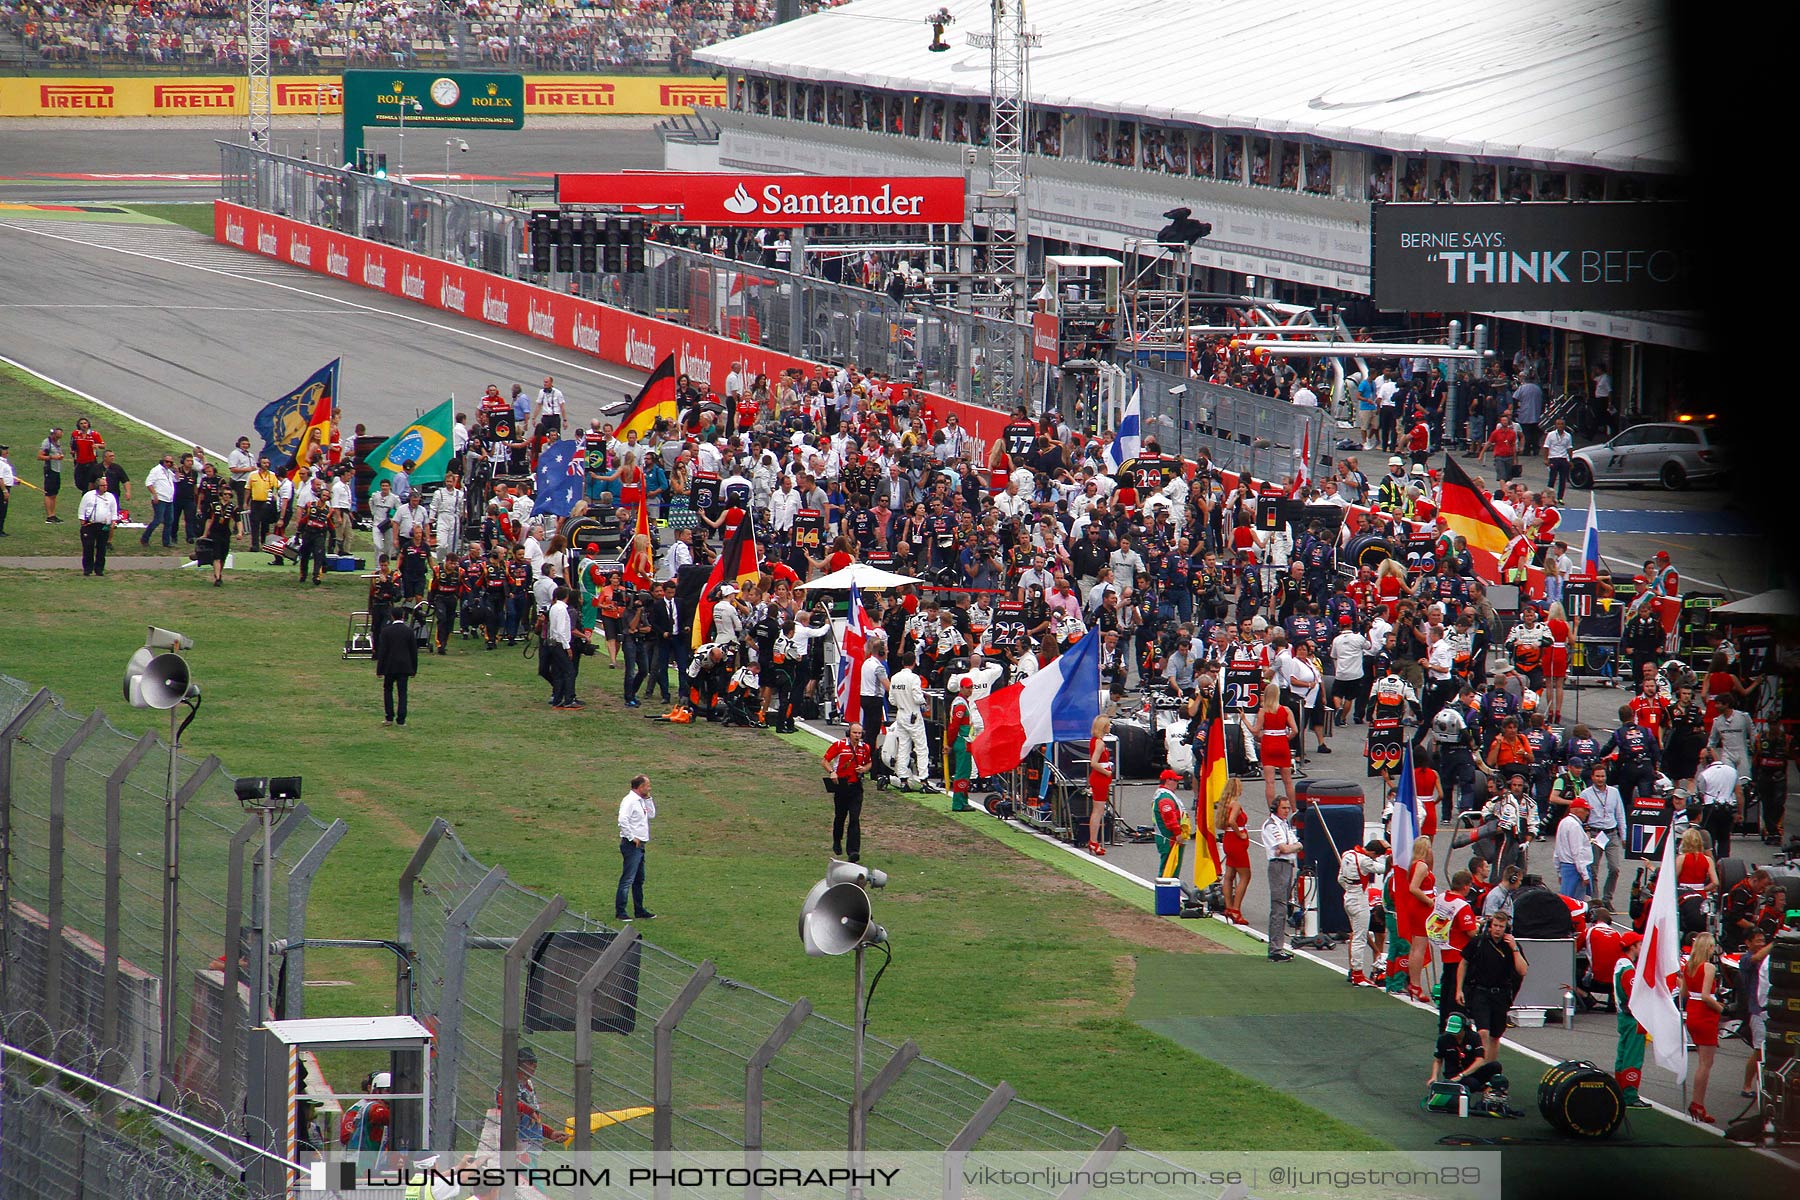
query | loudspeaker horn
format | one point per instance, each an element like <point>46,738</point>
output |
<point>836,920</point>
<point>848,872</point>
<point>156,681</point>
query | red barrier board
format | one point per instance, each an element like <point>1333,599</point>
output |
<point>584,326</point>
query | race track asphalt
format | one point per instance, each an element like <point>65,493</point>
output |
<point>195,337</point>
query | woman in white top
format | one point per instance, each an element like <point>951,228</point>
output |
<point>1305,681</point>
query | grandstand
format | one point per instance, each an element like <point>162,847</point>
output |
<point>592,36</point>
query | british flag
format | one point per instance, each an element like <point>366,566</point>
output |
<point>851,656</point>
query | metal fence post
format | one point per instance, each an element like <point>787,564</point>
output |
<point>53,937</point>
<point>1103,1154</point>
<point>300,881</point>
<point>172,920</point>
<point>753,1086</point>
<point>450,1004</point>
<point>115,834</point>
<point>662,1121</point>
<point>599,973</point>
<point>969,1134</point>
<point>229,1094</point>
<point>886,1078</point>
<point>512,1013</point>
<point>403,922</point>
<point>12,733</point>
<point>261,1002</point>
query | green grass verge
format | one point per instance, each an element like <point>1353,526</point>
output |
<point>196,214</point>
<point>28,408</point>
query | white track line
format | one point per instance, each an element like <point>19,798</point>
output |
<point>563,363</point>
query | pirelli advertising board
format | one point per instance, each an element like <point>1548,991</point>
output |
<point>310,95</point>
<point>1534,256</point>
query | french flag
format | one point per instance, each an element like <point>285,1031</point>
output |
<point>1590,542</point>
<point>853,653</point>
<point>1058,704</point>
<point>1406,812</point>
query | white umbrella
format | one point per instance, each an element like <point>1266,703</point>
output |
<point>860,575</point>
<point>1778,603</point>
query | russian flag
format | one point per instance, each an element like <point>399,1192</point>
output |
<point>1590,542</point>
<point>1058,704</point>
<point>1127,440</point>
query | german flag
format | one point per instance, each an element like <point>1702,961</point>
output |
<point>316,435</point>
<point>1468,511</point>
<point>1210,789</point>
<point>656,400</point>
<point>737,564</point>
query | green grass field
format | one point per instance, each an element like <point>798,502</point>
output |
<point>196,214</point>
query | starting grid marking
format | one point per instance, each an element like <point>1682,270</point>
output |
<point>172,243</point>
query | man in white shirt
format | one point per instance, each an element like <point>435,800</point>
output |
<point>1305,397</point>
<point>681,551</point>
<point>1347,651</point>
<point>1282,846</point>
<point>559,647</point>
<point>99,510</point>
<point>1559,449</point>
<point>635,812</point>
<point>1574,854</point>
<point>734,380</point>
<point>1717,784</point>
<point>459,435</point>
<point>549,408</point>
<point>384,511</point>
<point>240,462</point>
<point>783,505</point>
<point>160,484</point>
<point>342,500</point>
<point>8,481</point>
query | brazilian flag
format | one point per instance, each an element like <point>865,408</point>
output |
<point>428,442</point>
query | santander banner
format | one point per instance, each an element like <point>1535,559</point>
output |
<point>775,200</point>
<point>597,330</point>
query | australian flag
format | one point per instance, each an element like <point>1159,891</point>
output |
<point>561,479</point>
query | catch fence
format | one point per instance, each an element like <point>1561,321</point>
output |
<point>91,983</point>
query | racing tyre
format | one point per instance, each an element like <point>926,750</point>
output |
<point>1367,550</point>
<point>1580,474</point>
<point>1674,476</point>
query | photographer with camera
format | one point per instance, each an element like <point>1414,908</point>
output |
<point>638,634</point>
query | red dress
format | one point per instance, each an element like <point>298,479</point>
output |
<point>1387,590</point>
<point>1425,783</point>
<point>1556,658</point>
<point>1694,870</point>
<point>1702,1018</point>
<point>1409,913</point>
<point>1237,841</point>
<point>1275,748</point>
<point>1099,781</point>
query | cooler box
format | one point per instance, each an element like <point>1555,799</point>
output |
<point>1168,897</point>
<point>344,562</point>
<point>1330,821</point>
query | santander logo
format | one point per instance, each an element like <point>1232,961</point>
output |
<point>539,324</point>
<point>412,283</point>
<point>587,337</point>
<point>638,352</point>
<point>374,273</point>
<point>299,251</point>
<point>739,202</point>
<point>337,263</point>
<point>493,308</point>
<point>695,366</point>
<point>452,297</point>
<point>234,231</point>
<point>267,242</point>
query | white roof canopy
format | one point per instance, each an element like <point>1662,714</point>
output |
<point>1583,83</point>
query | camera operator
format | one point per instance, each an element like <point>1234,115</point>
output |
<point>639,636</point>
<point>1492,969</point>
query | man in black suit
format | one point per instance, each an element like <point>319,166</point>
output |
<point>396,661</point>
<point>665,628</point>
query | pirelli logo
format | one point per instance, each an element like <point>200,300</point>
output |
<point>306,95</point>
<point>581,95</point>
<point>693,95</point>
<point>95,96</point>
<point>194,96</point>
